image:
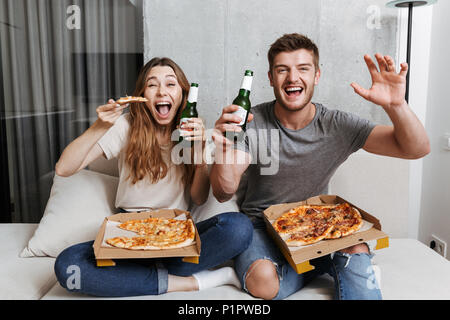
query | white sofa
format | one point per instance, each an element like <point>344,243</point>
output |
<point>77,205</point>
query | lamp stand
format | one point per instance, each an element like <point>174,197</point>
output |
<point>408,48</point>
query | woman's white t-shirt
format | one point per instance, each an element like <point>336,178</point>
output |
<point>169,192</point>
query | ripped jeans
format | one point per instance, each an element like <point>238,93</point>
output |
<point>353,275</point>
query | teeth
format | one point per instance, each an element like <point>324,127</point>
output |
<point>294,89</point>
<point>163,104</point>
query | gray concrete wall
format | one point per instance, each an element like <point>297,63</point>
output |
<point>214,41</point>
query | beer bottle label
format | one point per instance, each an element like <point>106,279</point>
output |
<point>193,94</point>
<point>183,132</point>
<point>247,83</point>
<point>242,113</point>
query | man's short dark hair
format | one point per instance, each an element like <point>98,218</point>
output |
<point>292,42</point>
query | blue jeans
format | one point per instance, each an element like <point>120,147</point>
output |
<point>354,278</point>
<point>223,237</point>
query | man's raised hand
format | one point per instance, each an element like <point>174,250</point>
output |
<point>388,87</point>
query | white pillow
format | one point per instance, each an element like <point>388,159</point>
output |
<point>75,210</point>
<point>213,207</point>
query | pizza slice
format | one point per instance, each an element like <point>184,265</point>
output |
<point>347,220</point>
<point>309,236</point>
<point>144,226</point>
<point>130,99</point>
<point>301,218</point>
<point>150,243</point>
<point>309,224</point>
<point>155,234</point>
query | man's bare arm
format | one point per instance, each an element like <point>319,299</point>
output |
<point>229,163</point>
<point>225,177</point>
<point>407,137</point>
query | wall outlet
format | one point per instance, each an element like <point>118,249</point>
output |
<point>446,141</point>
<point>438,245</point>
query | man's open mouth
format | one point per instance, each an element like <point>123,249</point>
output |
<point>293,91</point>
<point>163,109</point>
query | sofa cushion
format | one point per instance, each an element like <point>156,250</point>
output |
<point>212,207</point>
<point>319,289</point>
<point>108,167</point>
<point>74,212</point>
<point>24,279</point>
<point>409,270</point>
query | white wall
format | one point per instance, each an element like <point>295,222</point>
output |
<point>418,93</point>
<point>435,206</point>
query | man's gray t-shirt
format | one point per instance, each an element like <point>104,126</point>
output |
<point>293,165</point>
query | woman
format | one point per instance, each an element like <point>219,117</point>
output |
<point>141,139</point>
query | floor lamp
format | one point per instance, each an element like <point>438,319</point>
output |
<point>410,4</point>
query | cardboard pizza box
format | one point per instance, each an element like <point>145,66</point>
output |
<point>299,257</point>
<point>104,254</point>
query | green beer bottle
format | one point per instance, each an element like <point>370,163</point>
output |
<point>190,111</point>
<point>243,101</point>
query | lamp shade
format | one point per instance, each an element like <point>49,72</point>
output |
<point>406,3</point>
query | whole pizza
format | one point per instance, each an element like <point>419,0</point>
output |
<point>308,224</point>
<point>155,234</point>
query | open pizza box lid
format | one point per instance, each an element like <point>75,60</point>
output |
<point>298,257</point>
<point>103,253</point>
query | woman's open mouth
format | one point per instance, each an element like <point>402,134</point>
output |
<point>163,109</point>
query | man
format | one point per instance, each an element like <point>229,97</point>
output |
<point>313,142</point>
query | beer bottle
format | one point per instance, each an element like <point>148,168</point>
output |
<point>190,111</point>
<point>243,101</point>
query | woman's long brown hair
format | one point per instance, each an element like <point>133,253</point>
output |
<point>143,154</point>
